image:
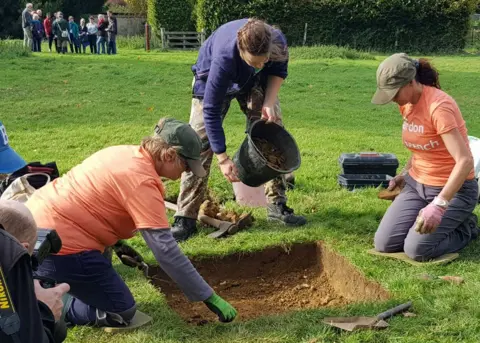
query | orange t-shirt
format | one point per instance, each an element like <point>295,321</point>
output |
<point>435,114</point>
<point>108,197</point>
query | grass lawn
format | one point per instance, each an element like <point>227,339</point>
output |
<point>64,108</point>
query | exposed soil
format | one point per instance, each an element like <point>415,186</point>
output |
<point>274,281</point>
<point>270,152</point>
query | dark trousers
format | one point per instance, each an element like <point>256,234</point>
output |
<point>112,47</point>
<point>50,41</point>
<point>74,42</point>
<point>37,44</point>
<point>92,40</point>
<point>94,284</point>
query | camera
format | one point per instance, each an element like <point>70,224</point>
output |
<point>48,242</point>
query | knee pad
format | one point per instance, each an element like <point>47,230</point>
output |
<point>105,318</point>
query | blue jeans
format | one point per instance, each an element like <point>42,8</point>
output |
<point>101,43</point>
<point>112,47</point>
<point>94,284</point>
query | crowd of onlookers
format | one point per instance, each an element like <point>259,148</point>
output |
<point>99,35</point>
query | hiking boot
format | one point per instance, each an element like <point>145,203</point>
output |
<point>280,212</point>
<point>290,181</point>
<point>183,228</point>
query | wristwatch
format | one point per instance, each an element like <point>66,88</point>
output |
<point>440,202</point>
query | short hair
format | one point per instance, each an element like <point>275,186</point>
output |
<point>35,16</point>
<point>29,5</point>
<point>71,17</point>
<point>18,221</point>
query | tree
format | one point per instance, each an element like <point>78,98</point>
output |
<point>138,7</point>
<point>10,25</point>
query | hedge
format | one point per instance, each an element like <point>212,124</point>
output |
<point>382,25</point>
<point>172,15</point>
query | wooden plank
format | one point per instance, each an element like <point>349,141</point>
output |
<point>182,32</point>
<point>183,44</point>
<point>182,37</point>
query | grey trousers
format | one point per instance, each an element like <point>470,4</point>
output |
<point>28,37</point>
<point>458,227</point>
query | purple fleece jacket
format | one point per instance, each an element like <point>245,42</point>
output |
<point>220,72</point>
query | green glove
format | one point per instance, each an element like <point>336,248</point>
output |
<point>225,312</point>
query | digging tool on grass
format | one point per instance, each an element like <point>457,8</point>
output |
<point>358,323</point>
<point>224,228</point>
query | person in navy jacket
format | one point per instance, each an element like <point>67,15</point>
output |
<point>246,60</point>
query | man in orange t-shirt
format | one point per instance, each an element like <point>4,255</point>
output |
<point>109,197</point>
<point>433,215</point>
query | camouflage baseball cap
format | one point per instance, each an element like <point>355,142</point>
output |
<point>392,74</point>
<point>185,140</point>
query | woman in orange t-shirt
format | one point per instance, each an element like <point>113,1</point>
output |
<point>433,214</point>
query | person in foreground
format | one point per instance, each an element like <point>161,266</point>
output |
<point>246,60</point>
<point>433,214</point>
<point>109,197</point>
<point>38,309</point>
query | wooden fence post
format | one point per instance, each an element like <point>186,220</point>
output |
<point>305,34</point>
<point>202,37</point>
<point>162,35</point>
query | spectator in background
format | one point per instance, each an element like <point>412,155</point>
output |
<point>37,33</point>
<point>27,26</point>
<point>60,29</point>
<point>47,26</point>
<point>102,25</point>
<point>74,35</point>
<point>83,35</point>
<point>92,35</point>
<point>112,34</point>
<point>40,15</point>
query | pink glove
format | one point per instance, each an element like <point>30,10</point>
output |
<point>429,218</point>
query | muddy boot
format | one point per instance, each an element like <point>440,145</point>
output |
<point>183,228</point>
<point>280,212</point>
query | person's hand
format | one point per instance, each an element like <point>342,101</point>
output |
<point>397,181</point>
<point>52,297</point>
<point>269,114</point>
<point>229,170</point>
<point>225,312</point>
<point>122,249</point>
<point>429,218</point>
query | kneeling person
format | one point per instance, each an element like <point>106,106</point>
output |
<point>108,197</point>
<point>433,215</point>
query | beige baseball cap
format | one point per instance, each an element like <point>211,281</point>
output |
<point>392,74</point>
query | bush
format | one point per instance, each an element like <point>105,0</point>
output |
<point>328,51</point>
<point>172,15</point>
<point>387,25</point>
<point>13,49</point>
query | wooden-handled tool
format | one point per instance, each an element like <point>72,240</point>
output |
<point>224,228</point>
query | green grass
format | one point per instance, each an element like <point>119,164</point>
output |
<point>64,108</point>
<point>12,49</point>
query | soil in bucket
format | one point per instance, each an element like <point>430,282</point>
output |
<point>271,153</point>
<point>273,281</point>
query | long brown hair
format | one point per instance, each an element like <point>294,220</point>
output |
<point>426,74</point>
<point>258,38</point>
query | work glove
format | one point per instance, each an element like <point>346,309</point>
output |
<point>429,218</point>
<point>127,254</point>
<point>225,312</point>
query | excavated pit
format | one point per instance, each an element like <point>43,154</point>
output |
<point>273,281</point>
